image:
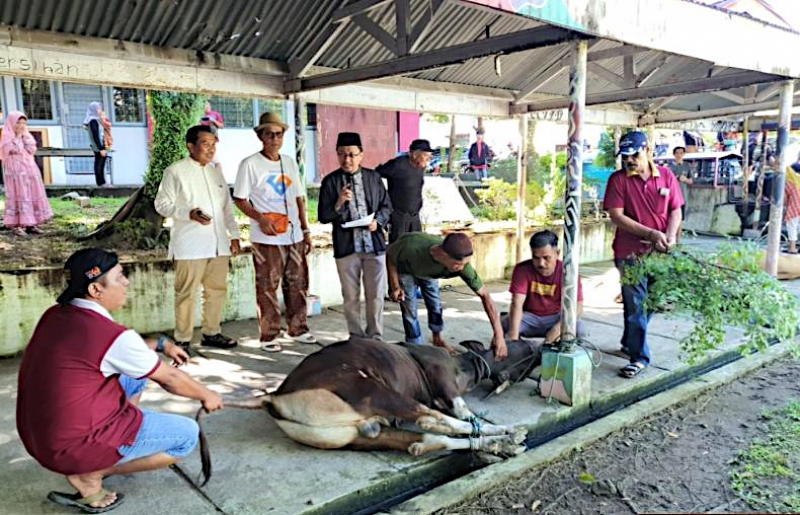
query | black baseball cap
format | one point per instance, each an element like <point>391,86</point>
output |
<point>84,267</point>
<point>420,144</point>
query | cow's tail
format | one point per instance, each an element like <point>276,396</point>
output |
<point>205,453</point>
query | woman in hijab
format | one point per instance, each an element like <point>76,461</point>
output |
<point>26,202</point>
<point>93,123</point>
<point>792,204</point>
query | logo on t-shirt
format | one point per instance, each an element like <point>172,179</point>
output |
<point>545,290</point>
<point>279,183</point>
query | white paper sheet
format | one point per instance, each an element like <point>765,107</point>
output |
<point>361,222</point>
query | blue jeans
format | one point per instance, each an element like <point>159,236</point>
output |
<point>433,303</point>
<point>160,432</point>
<point>634,334</point>
<point>537,326</point>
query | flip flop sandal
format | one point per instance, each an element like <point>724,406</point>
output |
<point>302,338</point>
<point>83,503</point>
<point>271,347</point>
<point>631,370</point>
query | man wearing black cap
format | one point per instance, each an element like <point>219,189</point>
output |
<point>80,381</point>
<point>405,176</point>
<point>644,201</point>
<point>480,156</point>
<point>419,259</point>
<point>348,194</point>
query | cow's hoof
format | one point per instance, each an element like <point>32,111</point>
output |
<point>416,449</point>
<point>519,434</point>
<point>504,446</point>
<point>369,429</point>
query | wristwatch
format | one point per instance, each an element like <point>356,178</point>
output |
<point>161,341</point>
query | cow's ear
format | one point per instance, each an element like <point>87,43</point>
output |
<point>474,346</point>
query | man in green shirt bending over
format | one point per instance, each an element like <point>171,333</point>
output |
<point>422,259</point>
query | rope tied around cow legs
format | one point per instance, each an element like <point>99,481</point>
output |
<point>477,426</point>
<point>475,443</point>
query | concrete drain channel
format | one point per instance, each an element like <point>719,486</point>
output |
<point>398,488</point>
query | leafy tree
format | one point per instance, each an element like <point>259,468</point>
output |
<point>173,114</point>
<point>606,157</point>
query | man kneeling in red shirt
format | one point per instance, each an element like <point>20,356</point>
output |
<point>536,286</point>
<point>80,381</point>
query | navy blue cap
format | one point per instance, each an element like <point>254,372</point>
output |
<point>632,143</point>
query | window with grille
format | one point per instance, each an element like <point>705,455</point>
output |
<point>128,105</point>
<point>236,112</point>
<point>37,99</point>
<point>268,105</point>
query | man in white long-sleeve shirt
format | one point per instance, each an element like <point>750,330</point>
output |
<point>193,192</point>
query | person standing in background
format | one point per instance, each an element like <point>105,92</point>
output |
<point>480,156</point>
<point>92,123</point>
<point>26,200</point>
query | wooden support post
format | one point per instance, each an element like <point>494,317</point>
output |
<point>451,157</point>
<point>522,183</point>
<point>617,137</point>
<point>567,372</point>
<point>760,183</point>
<point>572,221</point>
<point>300,136</point>
<point>745,173</point>
<point>779,179</point>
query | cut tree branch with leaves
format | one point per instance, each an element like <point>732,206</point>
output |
<point>726,288</point>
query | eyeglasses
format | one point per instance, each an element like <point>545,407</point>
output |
<point>348,156</point>
<point>270,135</point>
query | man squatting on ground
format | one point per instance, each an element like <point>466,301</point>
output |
<point>536,289</point>
<point>83,420</point>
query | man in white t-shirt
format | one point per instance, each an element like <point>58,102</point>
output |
<point>269,190</point>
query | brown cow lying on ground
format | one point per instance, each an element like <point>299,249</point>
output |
<point>349,394</point>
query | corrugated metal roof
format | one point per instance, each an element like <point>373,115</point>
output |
<point>282,30</point>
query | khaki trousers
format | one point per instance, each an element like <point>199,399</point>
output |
<point>371,269</point>
<point>190,274</point>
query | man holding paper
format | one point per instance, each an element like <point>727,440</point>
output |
<point>355,201</point>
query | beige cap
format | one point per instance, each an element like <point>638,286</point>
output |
<point>270,119</point>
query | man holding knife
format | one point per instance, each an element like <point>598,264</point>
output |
<point>347,196</point>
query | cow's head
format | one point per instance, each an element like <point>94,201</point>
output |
<point>479,362</point>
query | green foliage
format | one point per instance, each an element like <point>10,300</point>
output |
<point>606,155</point>
<point>173,114</point>
<point>765,474</point>
<point>719,289</point>
<point>497,200</point>
<point>439,118</point>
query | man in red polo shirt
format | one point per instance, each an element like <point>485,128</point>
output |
<point>536,287</point>
<point>80,381</point>
<point>644,202</point>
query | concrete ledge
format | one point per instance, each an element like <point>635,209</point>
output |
<point>491,476</point>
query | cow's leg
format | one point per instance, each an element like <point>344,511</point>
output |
<point>418,444</point>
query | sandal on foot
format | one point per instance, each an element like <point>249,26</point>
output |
<point>84,503</point>
<point>272,346</point>
<point>35,230</point>
<point>302,338</point>
<point>631,370</point>
<point>18,231</point>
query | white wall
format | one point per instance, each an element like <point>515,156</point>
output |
<point>130,155</point>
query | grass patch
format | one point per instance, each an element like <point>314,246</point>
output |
<point>766,474</point>
<point>72,219</point>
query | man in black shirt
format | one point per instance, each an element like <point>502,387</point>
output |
<point>405,175</point>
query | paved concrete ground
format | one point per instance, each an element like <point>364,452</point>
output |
<point>257,469</point>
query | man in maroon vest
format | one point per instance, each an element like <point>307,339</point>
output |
<point>80,381</point>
